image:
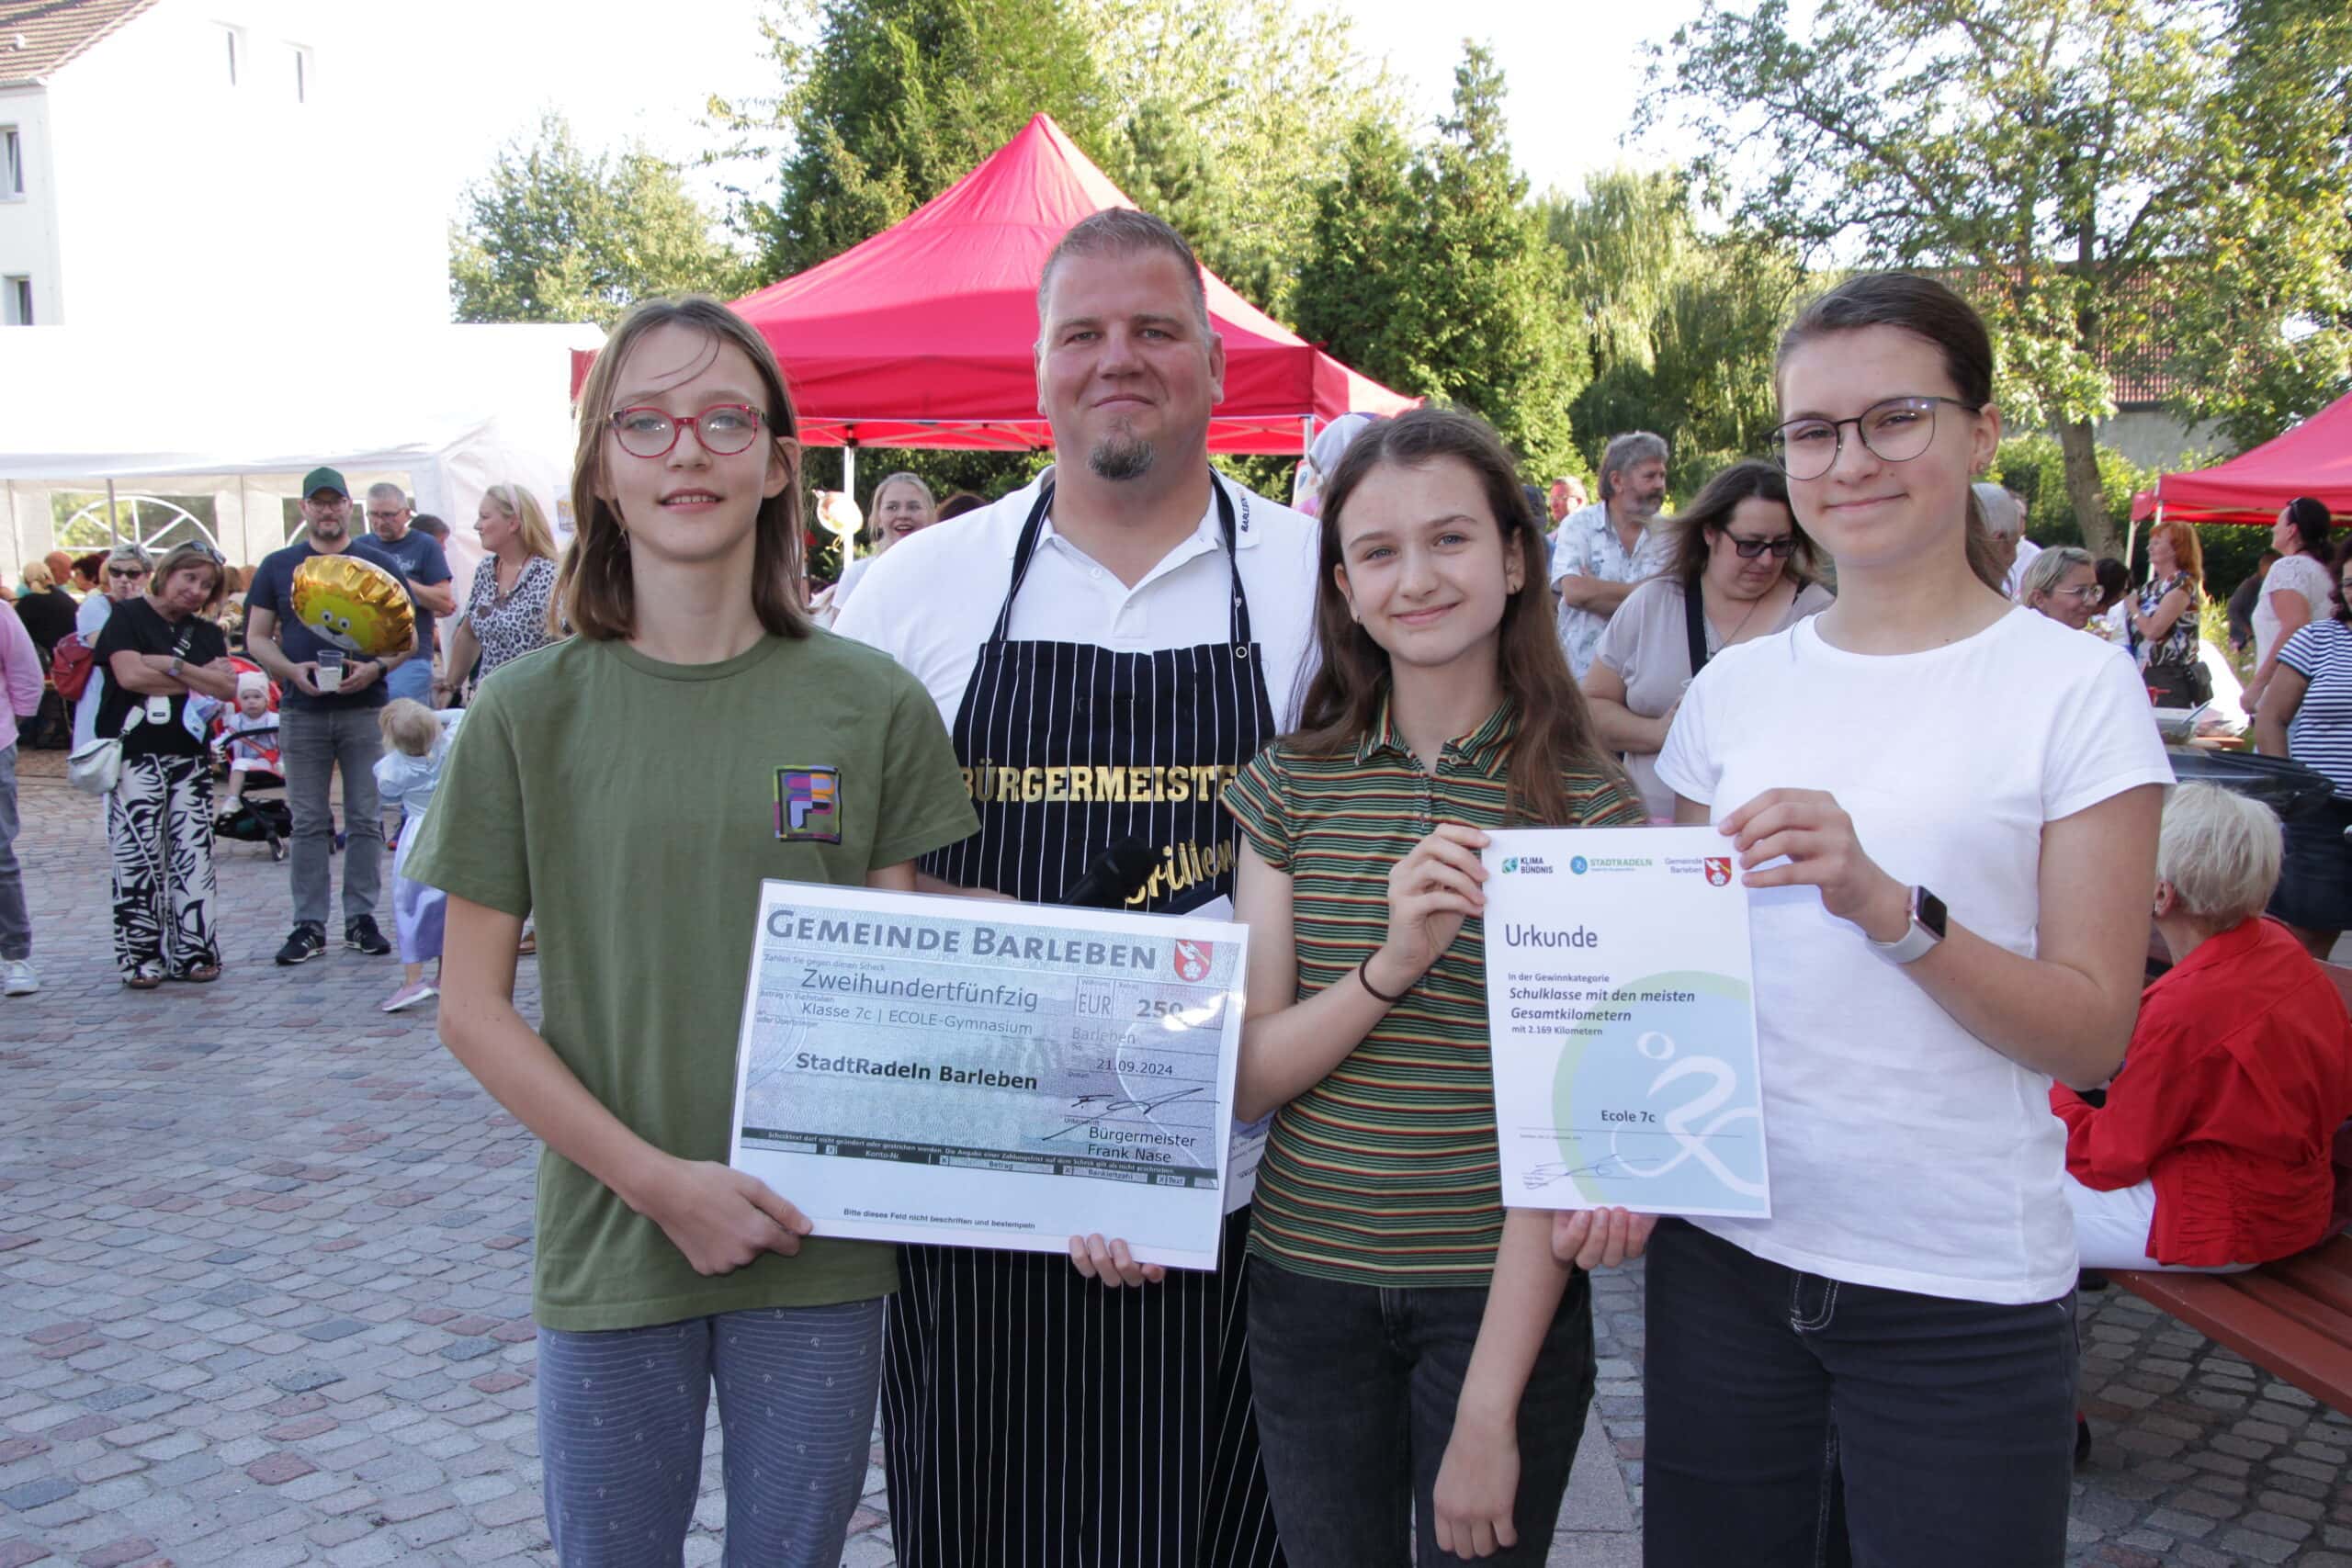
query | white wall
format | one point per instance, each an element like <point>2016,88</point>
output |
<point>185,199</point>
<point>2154,438</point>
<point>28,226</point>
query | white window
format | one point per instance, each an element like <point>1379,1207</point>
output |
<point>12,164</point>
<point>18,293</point>
<point>303,68</point>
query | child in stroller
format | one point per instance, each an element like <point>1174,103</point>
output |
<point>244,746</point>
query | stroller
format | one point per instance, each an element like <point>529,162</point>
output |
<point>254,818</point>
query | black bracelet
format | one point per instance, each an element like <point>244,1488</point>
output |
<point>1363,979</point>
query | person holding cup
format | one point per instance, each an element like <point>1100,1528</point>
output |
<point>327,722</point>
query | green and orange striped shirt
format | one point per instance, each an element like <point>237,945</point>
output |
<point>1386,1173</point>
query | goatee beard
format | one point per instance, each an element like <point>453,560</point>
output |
<point>1119,458</point>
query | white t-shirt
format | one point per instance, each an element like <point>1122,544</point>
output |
<point>2027,550</point>
<point>1906,1153</point>
<point>931,601</point>
<point>2292,574</point>
<point>847,583</point>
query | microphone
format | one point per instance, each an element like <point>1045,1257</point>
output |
<point>1114,877</point>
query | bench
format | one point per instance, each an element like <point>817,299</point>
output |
<point>2292,1318</point>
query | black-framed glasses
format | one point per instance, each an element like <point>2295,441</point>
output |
<point>723,429</point>
<point>1780,549</point>
<point>128,573</point>
<point>1895,431</point>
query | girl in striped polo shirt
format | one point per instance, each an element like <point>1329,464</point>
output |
<point>1417,1353</point>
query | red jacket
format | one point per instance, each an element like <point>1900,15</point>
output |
<point>2239,1073</point>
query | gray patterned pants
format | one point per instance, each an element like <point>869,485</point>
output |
<point>621,1423</point>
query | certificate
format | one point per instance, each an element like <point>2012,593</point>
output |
<point>1620,1002</point>
<point>972,1073</point>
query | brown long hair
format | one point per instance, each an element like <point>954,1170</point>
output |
<point>1925,309</point>
<point>1556,733</point>
<point>1750,479</point>
<point>595,590</point>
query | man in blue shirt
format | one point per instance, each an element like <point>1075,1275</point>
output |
<point>427,570</point>
<point>320,732</point>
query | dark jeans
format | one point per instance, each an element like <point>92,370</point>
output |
<point>1356,1387</point>
<point>1799,1422</point>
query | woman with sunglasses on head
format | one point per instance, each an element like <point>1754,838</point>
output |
<point>2062,583</point>
<point>1741,568</point>
<point>2296,590</point>
<point>1946,805</point>
<point>158,649</point>
<point>659,1271</point>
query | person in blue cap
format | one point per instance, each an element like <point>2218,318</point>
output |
<point>322,731</point>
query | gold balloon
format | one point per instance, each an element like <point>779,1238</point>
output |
<point>355,605</point>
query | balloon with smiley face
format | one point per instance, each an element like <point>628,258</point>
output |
<point>355,605</point>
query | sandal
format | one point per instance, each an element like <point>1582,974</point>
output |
<point>529,945</point>
<point>145,978</point>
<point>199,973</point>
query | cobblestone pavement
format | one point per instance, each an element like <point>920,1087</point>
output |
<point>264,1293</point>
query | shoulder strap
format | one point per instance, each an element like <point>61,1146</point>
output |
<point>1694,621</point>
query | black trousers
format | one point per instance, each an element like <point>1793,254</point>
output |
<point>1800,1422</point>
<point>1357,1386</point>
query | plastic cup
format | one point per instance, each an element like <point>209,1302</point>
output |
<point>330,676</point>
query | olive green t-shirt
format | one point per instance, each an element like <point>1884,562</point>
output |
<point>632,808</point>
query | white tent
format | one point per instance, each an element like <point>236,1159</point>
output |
<point>240,415</point>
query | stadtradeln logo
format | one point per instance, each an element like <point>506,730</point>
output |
<point>1579,865</point>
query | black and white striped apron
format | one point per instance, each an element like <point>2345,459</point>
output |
<point>1031,1417</point>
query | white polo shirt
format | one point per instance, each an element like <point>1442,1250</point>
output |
<point>931,601</point>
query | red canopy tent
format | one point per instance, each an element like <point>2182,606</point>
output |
<point>2313,458</point>
<point>924,335</point>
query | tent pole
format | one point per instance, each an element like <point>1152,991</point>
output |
<point>114,529</point>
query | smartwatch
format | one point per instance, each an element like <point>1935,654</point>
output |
<point>1926,929</point>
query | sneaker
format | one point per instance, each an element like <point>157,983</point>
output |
<point>18,977</point>
<point>361,936</point>
<point>310,940</point>
<point>411,996</point>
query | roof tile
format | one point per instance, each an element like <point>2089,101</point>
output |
<point>39,36</point>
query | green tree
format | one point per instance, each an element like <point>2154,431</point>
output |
<point>1679,326</point>
<point>1429,272</point>
<point>1225,115</point>
<point>554,233</point>
<point>885,102</point>
<point>2114,181</point>
<point>1218,115</point>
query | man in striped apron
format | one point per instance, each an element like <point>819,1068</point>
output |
<point>1109,646</point>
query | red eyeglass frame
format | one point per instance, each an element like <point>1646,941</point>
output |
<point>680,424</point>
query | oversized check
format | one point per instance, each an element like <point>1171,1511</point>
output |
<point>1620,1002</point>
<point>974,1073</point>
